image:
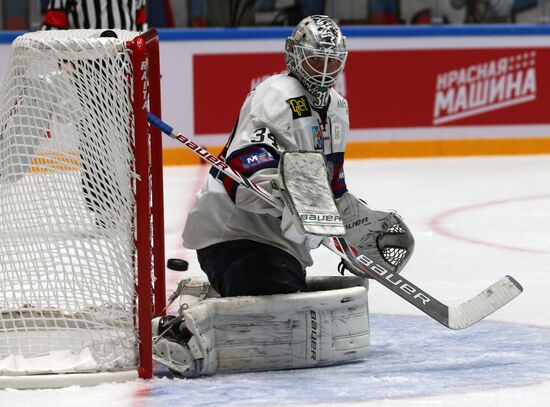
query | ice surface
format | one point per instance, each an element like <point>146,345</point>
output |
<point>474,220</point>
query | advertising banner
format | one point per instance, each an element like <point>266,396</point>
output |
<point>395,89</point>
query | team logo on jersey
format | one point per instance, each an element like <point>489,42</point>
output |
<point>256,158</point>
<point>318,142</point>
<point>300,107</point>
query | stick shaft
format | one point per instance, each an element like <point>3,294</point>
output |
<point>458,317</point>
<point>213,160</point>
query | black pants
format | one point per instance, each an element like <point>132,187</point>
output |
<point>245,267</point>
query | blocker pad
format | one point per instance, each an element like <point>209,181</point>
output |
<point>303,179</point>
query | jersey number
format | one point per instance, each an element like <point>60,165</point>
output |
<point>261,134</point>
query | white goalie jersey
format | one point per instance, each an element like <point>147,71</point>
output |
<point>277,116</point>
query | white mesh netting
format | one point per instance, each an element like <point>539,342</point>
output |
<point>67,278</point>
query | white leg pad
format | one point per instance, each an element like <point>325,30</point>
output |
<point>286,331</point>
<point>176,356</point>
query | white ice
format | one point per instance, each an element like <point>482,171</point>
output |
<point>474,220</point>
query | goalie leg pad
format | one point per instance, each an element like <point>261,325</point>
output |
<point>284,331</point>
<point>176,356</point>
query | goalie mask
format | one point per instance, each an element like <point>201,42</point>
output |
<point>316,55</point>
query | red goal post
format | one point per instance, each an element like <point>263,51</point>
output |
<point>81,208</point>
<point>146,61</point>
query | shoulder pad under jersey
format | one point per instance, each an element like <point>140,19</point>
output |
<point>279,100</point>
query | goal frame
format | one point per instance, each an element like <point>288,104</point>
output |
<point>146,64</point>
<point>148,256</point>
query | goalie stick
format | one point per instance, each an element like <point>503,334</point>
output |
<point>454,317</point>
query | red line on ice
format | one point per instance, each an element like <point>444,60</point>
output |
<point>436,223</point>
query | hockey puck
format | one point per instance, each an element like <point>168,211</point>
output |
<point>177,264</point>
<point>108,34</point>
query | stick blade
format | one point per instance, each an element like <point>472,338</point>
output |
<point>485,303</point>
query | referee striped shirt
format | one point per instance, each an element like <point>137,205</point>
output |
<point>122,14</point>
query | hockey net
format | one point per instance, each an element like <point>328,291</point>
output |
<point>81,229</point>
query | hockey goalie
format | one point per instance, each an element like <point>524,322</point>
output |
<point>257,310</point>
